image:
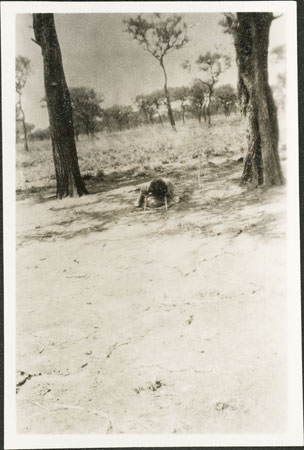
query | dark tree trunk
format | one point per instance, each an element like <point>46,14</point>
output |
<point>170,112</point>
<point>207,114</point>
<point>199,116</point>
<point>69,181</point>
<point>183,114</point>
<point>226,109</point>
<point>208,107</point>
<point>251,37</point>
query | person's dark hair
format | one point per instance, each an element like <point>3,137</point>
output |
<point>158,188</point>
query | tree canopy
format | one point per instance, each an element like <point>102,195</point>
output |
<point>86,109</point>
<point>212,65</point>
<point>159,34</point>
<point>23,69</point>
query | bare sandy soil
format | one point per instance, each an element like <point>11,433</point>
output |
<point>164,322</point>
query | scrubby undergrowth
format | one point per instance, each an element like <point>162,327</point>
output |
<point>136,152</point>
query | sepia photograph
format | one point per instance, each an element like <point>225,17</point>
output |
<point>152,271</point>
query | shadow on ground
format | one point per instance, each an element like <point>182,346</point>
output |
<point>215,205</point>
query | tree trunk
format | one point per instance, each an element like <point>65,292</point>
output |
<point>146,116</point>
<point>199,116</point>
<point>208,114</point>
<point>24,129</point>
<point>208,105</point>
<point>204,113</point>
<point>183,114</point>
<point>160,119</point>
<point>69,181</point>
<point>170,112</point>
<point>251,37</point>
<point>25,137</point>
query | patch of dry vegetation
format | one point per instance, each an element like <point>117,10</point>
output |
<point>140,152</point>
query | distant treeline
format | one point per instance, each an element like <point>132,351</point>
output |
<point>90,117</point>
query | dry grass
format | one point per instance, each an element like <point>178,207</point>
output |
<point>137,152</point>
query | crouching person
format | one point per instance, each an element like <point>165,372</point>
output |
<point>156,193</point>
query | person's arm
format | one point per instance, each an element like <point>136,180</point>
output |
<point>171,191</point>
<point>170,186</point>
<point>144,191</point>
<point>145,188</point>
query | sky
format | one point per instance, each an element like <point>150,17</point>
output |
<point>97,53</point>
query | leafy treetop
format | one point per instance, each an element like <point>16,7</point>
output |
<point>86,101</point>
<point>158,35</point>
<point>23,68</point>
<point>213,64</point>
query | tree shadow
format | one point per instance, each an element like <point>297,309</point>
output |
<point>111,201</point>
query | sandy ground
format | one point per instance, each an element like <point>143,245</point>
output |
<point>164,322</point>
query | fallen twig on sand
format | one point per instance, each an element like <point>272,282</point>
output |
<point>115,346</point>
<point>120,344</point>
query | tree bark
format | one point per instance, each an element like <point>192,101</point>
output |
<point>69,181</point>
<point>170,112</point>
<point>251,37</point>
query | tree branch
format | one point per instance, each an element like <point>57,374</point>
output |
<point>32,39</point>
<point>205,82</point>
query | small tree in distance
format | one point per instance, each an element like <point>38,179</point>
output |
<point>23,68</point>
<point>227,97</point>
<point>159,36</point>
<point>118,117</point>
<point>181,94</point>
<point>197,95</point>
<point>86,110</point>
<point>212,65</point>
<point>157,100</point>
<point>144,105</point>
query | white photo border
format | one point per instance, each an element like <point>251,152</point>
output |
<point>13,440</point>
